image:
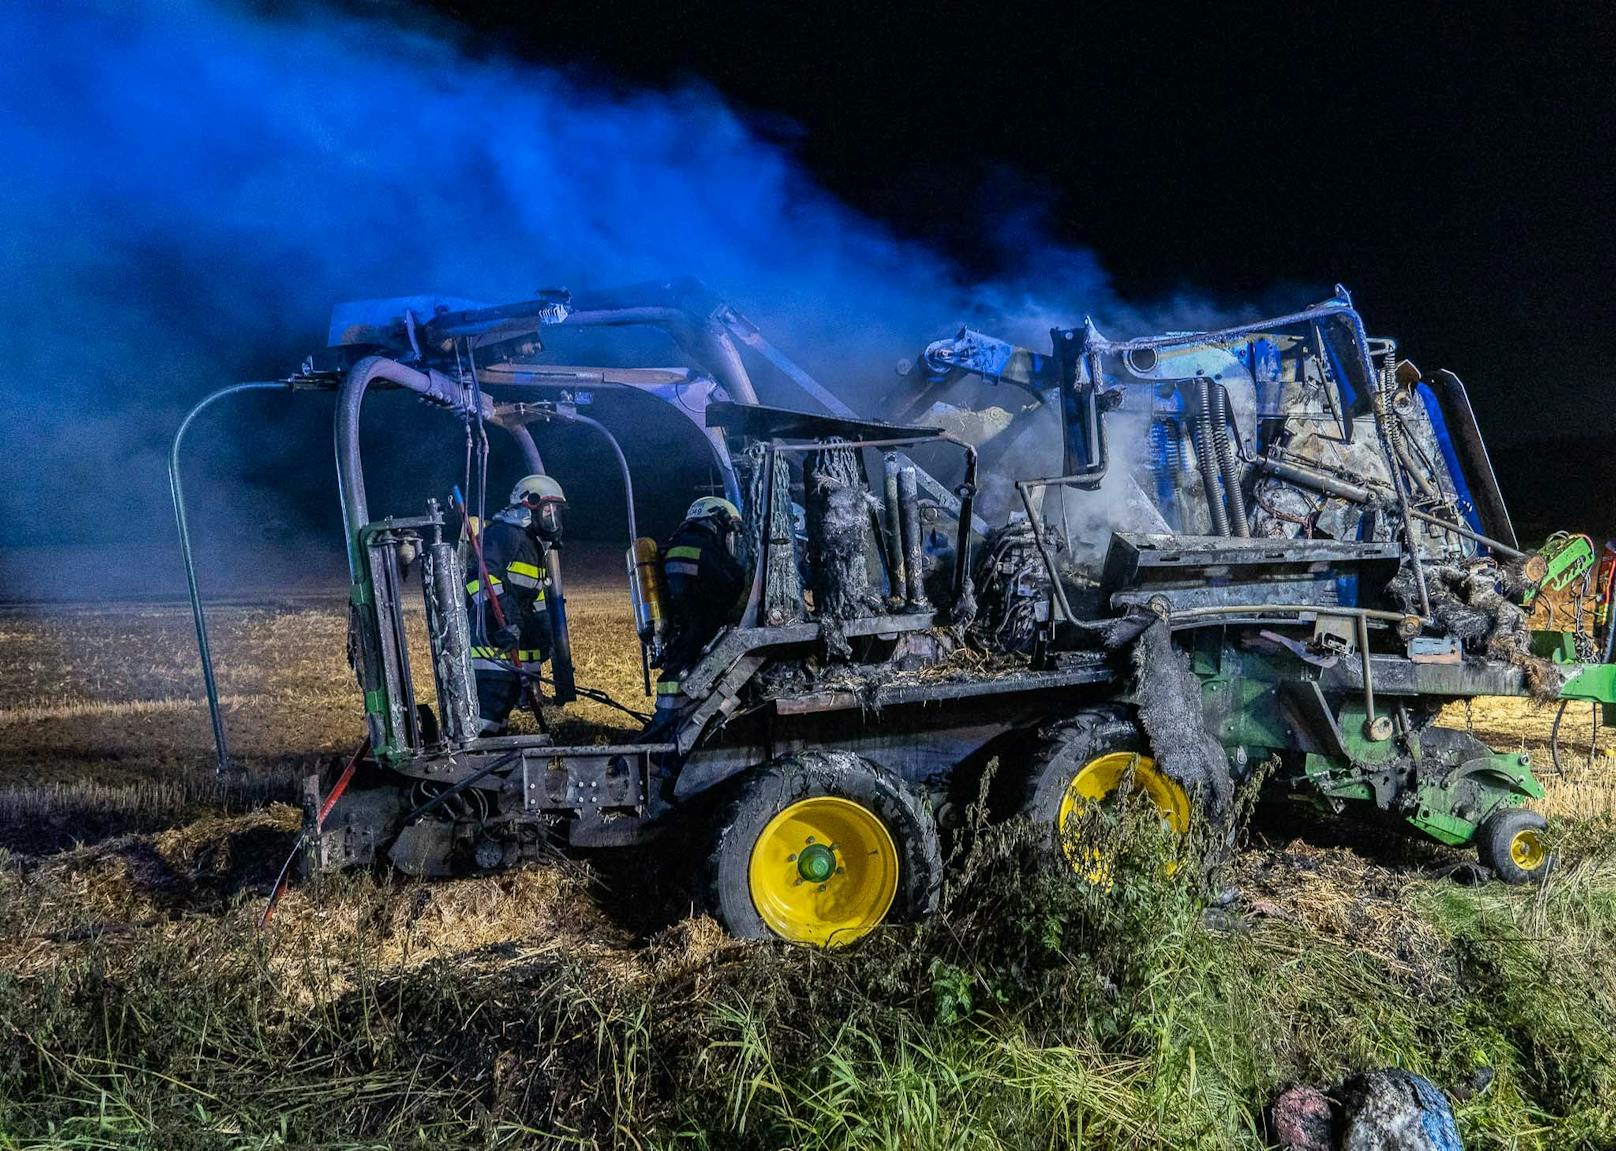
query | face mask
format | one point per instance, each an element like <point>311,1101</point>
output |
<point>548,521</point>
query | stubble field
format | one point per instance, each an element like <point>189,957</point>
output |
<point>578,1003</point>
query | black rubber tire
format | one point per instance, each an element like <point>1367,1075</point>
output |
<point>766,791</point>
<point>1493,840</point>
<point>1065,749</point>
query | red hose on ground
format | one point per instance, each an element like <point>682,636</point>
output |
<point>319,822</point>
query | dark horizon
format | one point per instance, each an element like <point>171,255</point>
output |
<point>858,180</point>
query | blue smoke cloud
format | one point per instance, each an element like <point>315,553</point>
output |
<point>192,186</point>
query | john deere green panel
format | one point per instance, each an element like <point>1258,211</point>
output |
<point>1450,811</point>
<point>1595,681</point>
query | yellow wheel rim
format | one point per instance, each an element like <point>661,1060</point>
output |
<point>824,871</point>
<point>1098,780</point>
<point>1526,849</point>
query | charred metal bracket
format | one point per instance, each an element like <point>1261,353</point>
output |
<point>351,837</point>
<point>1193,572</point>
<point>1084,401</point>
<point>1308,653</point>
<point>586,781</point>
<point>994,360</point>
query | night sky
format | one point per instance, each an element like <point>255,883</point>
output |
<point>200,181</point>
<point>1453,165</point>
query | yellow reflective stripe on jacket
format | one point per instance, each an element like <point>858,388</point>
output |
<point>476,586</point>
<point>523,574</point>
<point>667,687</point>
<point>685,552</point>
<point>526,654</point>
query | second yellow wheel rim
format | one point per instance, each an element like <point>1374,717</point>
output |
<point>1526,849</point>
<point>824,871</point>
<point>1098,780</point>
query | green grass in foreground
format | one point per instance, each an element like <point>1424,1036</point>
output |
<point>1037,1011</point>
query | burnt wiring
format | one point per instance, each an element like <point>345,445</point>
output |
<point>1308,522</point>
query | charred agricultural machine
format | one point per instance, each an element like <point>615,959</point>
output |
<point>1276,544</point>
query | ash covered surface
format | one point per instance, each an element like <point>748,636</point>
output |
<point>1476,603</point>
<point>1169,700</point>
<point>934,657</point>
<point>839,534</point>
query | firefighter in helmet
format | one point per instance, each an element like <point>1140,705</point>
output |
<point>704,583</point>
<point>505,579</point>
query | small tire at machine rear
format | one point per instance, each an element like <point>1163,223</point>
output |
<point>820,849</point>
<point>1511,842</point>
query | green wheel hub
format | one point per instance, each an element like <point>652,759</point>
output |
<point>816,863</point>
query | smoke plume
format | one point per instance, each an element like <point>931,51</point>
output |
<point>194,186</point>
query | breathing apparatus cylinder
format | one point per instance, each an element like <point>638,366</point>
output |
<point>646,590</point>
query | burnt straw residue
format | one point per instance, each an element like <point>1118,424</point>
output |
<point>1477,604</point>
<point>1169,700</point>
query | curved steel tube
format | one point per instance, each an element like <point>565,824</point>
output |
<point>707,343</point>
<point>622,466</point>
<point>349,472</point>
<point>177,493</point>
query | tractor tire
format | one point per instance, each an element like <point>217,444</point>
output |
<point>1088,757</point>
<point>820,849</point>
<point>1510,841</point>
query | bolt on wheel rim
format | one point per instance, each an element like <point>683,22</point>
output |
<point>824,871</point>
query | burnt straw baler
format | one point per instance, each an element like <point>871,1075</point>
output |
<point>1278,543</point>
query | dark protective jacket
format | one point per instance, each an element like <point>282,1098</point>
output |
<point>516,576</point>
<point>704,585</point>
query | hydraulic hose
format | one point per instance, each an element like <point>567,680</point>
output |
<point>1228,466</point>
<point>1206,459</point>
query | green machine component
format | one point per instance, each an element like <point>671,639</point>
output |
<point>1593,682</point>
<point>1563,558</point>
<point>1268,696</point>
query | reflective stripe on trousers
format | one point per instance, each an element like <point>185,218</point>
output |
<point>668,695</point>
